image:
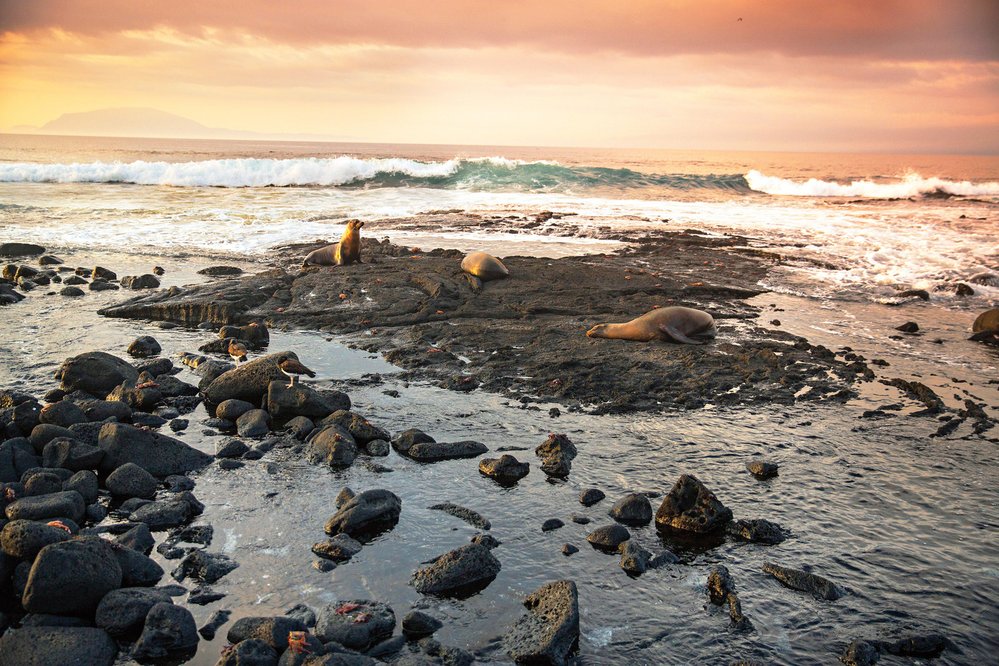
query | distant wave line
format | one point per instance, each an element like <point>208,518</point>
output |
<point>910,185</point>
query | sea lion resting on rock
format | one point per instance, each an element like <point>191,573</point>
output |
<point>676,324</point>
<point>986,327</point>
<point>484,266</point>
<point>347,251</point>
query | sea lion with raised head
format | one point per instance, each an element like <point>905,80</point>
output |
<point>484,266</point>
<point>986,327</point>
<point>673,324</point>
<point>347,251</point>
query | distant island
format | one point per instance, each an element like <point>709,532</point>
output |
<point>151,123</point>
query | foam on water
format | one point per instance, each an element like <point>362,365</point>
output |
<point>910,185</point>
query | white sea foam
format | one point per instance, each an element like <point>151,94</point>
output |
<point>909,185</point>
<point>228,172</point>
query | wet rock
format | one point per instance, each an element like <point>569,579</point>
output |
<point>46,646</point>
<point>249,381</point>
<point>487,540</point>
<point>254,423</point>
<point>506,469</point>
<point>921,645</point>
<point>405,440</point>
<point>817,586</point>
<point>85,483</point>
<point>758,531</point>
<point>552,524</point>
<point>762,469</point>
<point>721,590</point>
<point>377,447</point>
<point>337,549</point>
<point>65,504</point>
<point>549,633</point>
<point>569,549</point>
<point>591,496</point>
<point>122,612</point>
<point>232,409</point>
<point>356,624</point>
<point>908,327</point>
<point>218,618</point>
<point>218,271</point>
<point>86,565</point>
<point>130,480</point>
<point>634,558</point>
<point>303,614</point>
<point>137,570</point>
<point>286,402</point>
<point>171,387</point>
<point>251,652</point>
<point>42,483</point>
<point>157,454</point>
<point>203,596</point>
<point>331,445</point>
<point>556,454</point>
<point>102,410</point>
<point>206,568</point>
<point>473,518</point>
<point>962,289</point>
<point>861,653</point>
<point>63,413</point>
<point>44,433</point>
<point>609,537</point>
<point>418,624</point>
<point>169,632</point>
<point>74,280</point>
<point>921,294</point>
<point>580,519</point>
<point>99,272</point>
<point>662,559</point>
<point>369,511</point>
<point>144,347</point>
<point>138,538</point>
<point>231,448</point>
<point>344,496</point>
<point>71,454</point>
<point>22,539</point>
<point>691,507</point>
<point>96,373</point>
<point>143,399</point>
<point>271,630</point>
<point>437,451</point>
<point>255,332</point>
<point>145,281</point>
<point>300,427</point>
<point>163,514</point>
<point>468,567</point>
<point>49,260</point>
<point>632,509</point>
<point>103,285</point>
<point>360,428</point>
<point>72,292</point>
<point>20,249</point>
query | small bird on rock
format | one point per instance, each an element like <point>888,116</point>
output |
<point>237,350</point>
<point>293,369</point>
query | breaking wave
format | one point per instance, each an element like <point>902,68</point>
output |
<point>910,185</point>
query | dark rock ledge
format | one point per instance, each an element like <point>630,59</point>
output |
<point>524,336</point>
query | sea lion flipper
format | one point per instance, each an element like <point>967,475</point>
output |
<point>672,332</point>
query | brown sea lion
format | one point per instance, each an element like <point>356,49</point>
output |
<point>987,321</point>
<point>484,266</point>
<point>674,324</point>
<point>347,251</point>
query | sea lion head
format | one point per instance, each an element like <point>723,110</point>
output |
<point>354,225</point>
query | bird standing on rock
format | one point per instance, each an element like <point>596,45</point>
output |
<point>293,369</point>
<point>237,350</point>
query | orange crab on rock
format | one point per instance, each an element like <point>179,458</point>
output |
<point>61,525</point>
<point>298,642</point>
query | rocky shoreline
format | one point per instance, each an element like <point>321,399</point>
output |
<point>523,336</point>
<point>91,483</point>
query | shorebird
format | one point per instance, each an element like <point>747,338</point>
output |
<point>293,369</point>
<point>237,350</point>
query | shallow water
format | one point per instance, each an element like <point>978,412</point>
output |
<point>907,523</point>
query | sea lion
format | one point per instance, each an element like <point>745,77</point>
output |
<point>988,321</point>
<point>675,324</point>
<point>484,266</point>
<point>347,251</point>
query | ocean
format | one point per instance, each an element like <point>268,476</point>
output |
<point>907,522</point>
<point>854,226</point>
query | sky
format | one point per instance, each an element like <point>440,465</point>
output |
<point>800,75</point>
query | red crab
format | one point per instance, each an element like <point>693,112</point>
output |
<point>346,608</point>
<point>298,642</point>
<point>61,525</point>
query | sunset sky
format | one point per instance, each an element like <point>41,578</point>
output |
<point>841,75</point>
